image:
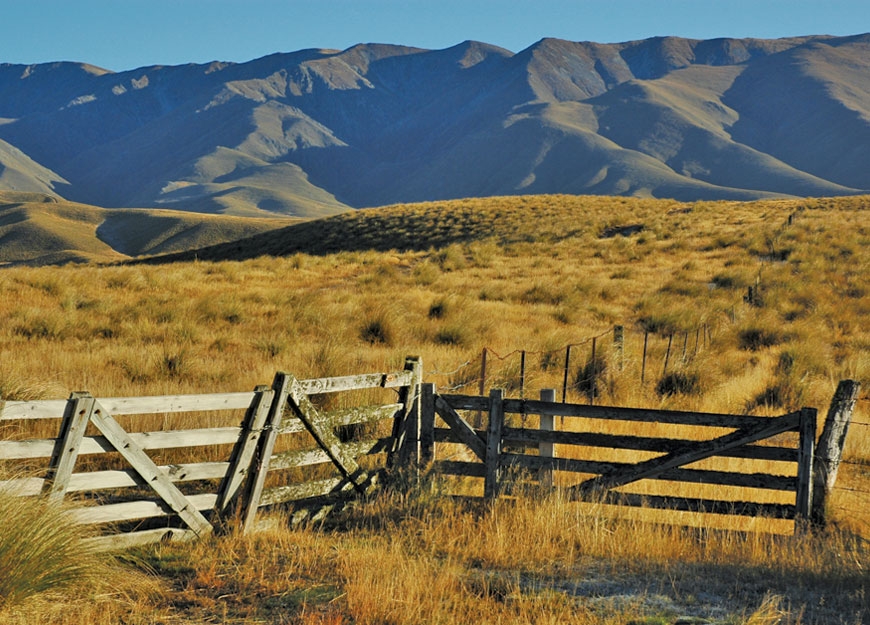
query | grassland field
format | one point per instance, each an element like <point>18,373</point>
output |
<point>360,291</point>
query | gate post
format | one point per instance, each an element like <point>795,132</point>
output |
<point>427,424</point>
<point>493,444</point>
<point>830,448</point>
<point>406,428</point>
<point>545,450</point>
<point>804,498</point>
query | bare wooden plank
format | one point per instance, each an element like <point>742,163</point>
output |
<point>152,475</point>
<point>245,448</point>
<point>305,411</point>
<point>345,416</point>
<point>41,409</point>
<point>356,382</point>
<point>66,450</point>
<point>674,417</point>
<point>466,402</point>
<point>171,439</point>
<point>266,445</point>
<point>638,443</point>
<point>546,449</point>
<point>133,510</point>
<point>427,424</point>
<point>176,403</point>
<point>804,497</point>
<point>406,425</point>
<point>103,480</point>
<point>120,542</point>
<point>710,506</point>
<point>308,457</point>
<point>762,481</point>
<point>466,469</point>
<point>830,448</point>
<point>306,490</point>
<point>460,427</point>
<point>698,450</point>
<point>492,479</point>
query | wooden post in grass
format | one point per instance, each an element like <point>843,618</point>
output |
<point>830,448</point>
<point>478,417</point>
<point>427,424</point>
<point>493,444</point>
<point>546,450</point>
<point>565,378</point>
<point>643,358</point>
<point>619,345</point>
<point>806,455</point>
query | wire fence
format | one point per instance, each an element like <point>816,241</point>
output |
<point>584,365</point>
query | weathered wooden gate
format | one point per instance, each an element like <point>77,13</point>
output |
<point>526,443</point>
<point>97,452</point>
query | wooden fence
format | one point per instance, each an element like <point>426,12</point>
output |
<point>512,446</point>
<point>97,455</point>
<point>288,444</point>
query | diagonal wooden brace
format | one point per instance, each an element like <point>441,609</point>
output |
<point>691,452</point>
<point>149,472</point>
<point>326,438</point>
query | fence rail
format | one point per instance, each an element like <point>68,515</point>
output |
<point>260,462</point>
<point>289,446</point>
<point>503,447</point>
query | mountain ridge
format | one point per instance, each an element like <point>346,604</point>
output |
<point>315,132</point>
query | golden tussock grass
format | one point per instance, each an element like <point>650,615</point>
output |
<point>508,274</point>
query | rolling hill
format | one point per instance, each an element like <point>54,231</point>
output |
<point>39,229</point>
<point>315,132</point>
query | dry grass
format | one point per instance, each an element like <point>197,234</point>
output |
<point>505,274</point>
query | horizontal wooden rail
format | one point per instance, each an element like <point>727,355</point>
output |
<point>612,413</point>
<point>171,439</point>
<point>117,406</point>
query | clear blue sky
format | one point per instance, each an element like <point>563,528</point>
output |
<point>126,34</point>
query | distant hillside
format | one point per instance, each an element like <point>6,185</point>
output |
<point>503,221</point>
<point>313,132</point>
<point>39,229</point>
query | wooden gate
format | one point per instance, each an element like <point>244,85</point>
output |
<point>195,479</point>
<point>520,439</point>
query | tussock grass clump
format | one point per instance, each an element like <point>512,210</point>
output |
<point>41,551</point>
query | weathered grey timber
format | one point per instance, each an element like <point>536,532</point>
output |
<point>66,451</point>
<point>829,452</point>
<point>492,479</point>
<point>149,471</point>
<point>144,493</point>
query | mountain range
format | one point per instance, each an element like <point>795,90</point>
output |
<point>315,132</point>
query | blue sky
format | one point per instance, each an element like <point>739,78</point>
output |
<point>126,34</point>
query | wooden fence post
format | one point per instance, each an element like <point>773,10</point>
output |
<point>265,446</point>
<point>478,418</point>
<point>427,424</point>
<point>619,345</point>
<point>244,454</point>
<point>830,447</point>
<point>565,378</point>
<point>804,497</point>
<point>546,450</point>
<point>407,431</point>
<point>493,444</point>
<point>643,358</point>
<point>66,449</point>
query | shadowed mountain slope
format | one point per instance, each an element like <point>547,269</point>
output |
<point>314,132</point>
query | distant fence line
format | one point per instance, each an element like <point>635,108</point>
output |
<point>680,347</point>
